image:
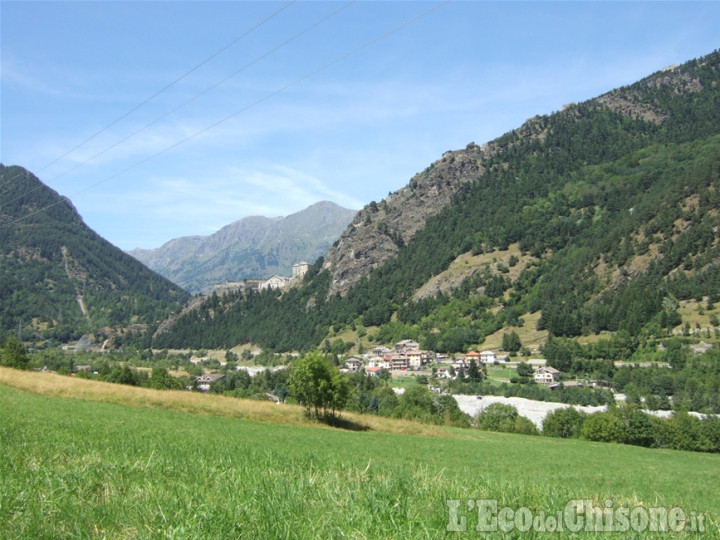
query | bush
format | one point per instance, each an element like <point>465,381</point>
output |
<point>685,432</point>
<point>504,418</point>
<point>12,354</point>
<point>524,370</point>
<point>638,427</point>
<point>565,423</point>
<point>162,380</point>
<point>603,427</point>
<point>387,401</point>
<point>416,403</point>
<point>525,426</point>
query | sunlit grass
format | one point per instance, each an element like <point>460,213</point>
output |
<point>696,315</point>
<point>500,373</point>
<point>51,384</point>
<point>122,467</point>
<point>529,335</point>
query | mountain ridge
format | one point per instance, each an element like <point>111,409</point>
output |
<point>59,279</point>
<point>374,236</point>
<point>251,247</point>
<point>611,206</point>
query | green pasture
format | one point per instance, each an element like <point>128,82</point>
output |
<point>405,381</point>
<point>80,469</point>
<point>504,373</point>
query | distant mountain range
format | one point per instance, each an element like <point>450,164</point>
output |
<point>60,280</point>
<point>252,247</point>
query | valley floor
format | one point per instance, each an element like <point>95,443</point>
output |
<point>533,410</point>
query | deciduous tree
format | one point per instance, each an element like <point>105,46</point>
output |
<point>12,354</point>
<point>318,385</point>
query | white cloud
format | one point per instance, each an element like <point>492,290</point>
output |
<point>172,206</point>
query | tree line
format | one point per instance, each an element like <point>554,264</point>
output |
<point>625,424</point>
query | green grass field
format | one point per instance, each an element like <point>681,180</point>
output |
<point>73,468</point>
<point>502,373</point>
<point>405,381</point>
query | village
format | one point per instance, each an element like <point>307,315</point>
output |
<point>404,358</point>
<point>407,359</point>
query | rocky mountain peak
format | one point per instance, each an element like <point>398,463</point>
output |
<point>251,247</point>
<point>380,229</point>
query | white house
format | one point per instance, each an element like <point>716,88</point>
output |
<point>384,362</point>
<point>488,357</point>
<point>373,361</point>
<point>203,382</point>
<point>546,375</point>
<point>354,364</point>
<point>373,371</point>
<point>414,359</point>
<point>459,363</point>
<point>417,358</point>
<point>443,372</point>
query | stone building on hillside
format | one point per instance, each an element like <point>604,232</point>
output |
<point>299,270</point>
<point>274,282</point>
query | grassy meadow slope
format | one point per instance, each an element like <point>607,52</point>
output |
<point>84,468</point>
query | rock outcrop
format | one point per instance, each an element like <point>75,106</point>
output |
<point>380,229</point>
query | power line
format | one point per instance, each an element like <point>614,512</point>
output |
<point>165,88</point>
<point>255,103</point>
<point>200,94</point>
<point>187,102</point>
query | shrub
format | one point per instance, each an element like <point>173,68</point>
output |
<point>604,427</point>
<point>566,423</point>
<point>12,354</point>
<point>505,418</point>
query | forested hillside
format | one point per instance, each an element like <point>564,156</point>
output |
<point>59,279</point>
<point>612,206</point>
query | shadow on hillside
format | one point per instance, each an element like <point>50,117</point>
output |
<point>341,423</point>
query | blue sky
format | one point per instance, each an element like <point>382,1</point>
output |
<point>264,108</point>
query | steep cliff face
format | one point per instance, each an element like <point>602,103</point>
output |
<point>380,229</point>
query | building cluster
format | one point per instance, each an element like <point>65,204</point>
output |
<point>407,356</point>
<point>273,282</point>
